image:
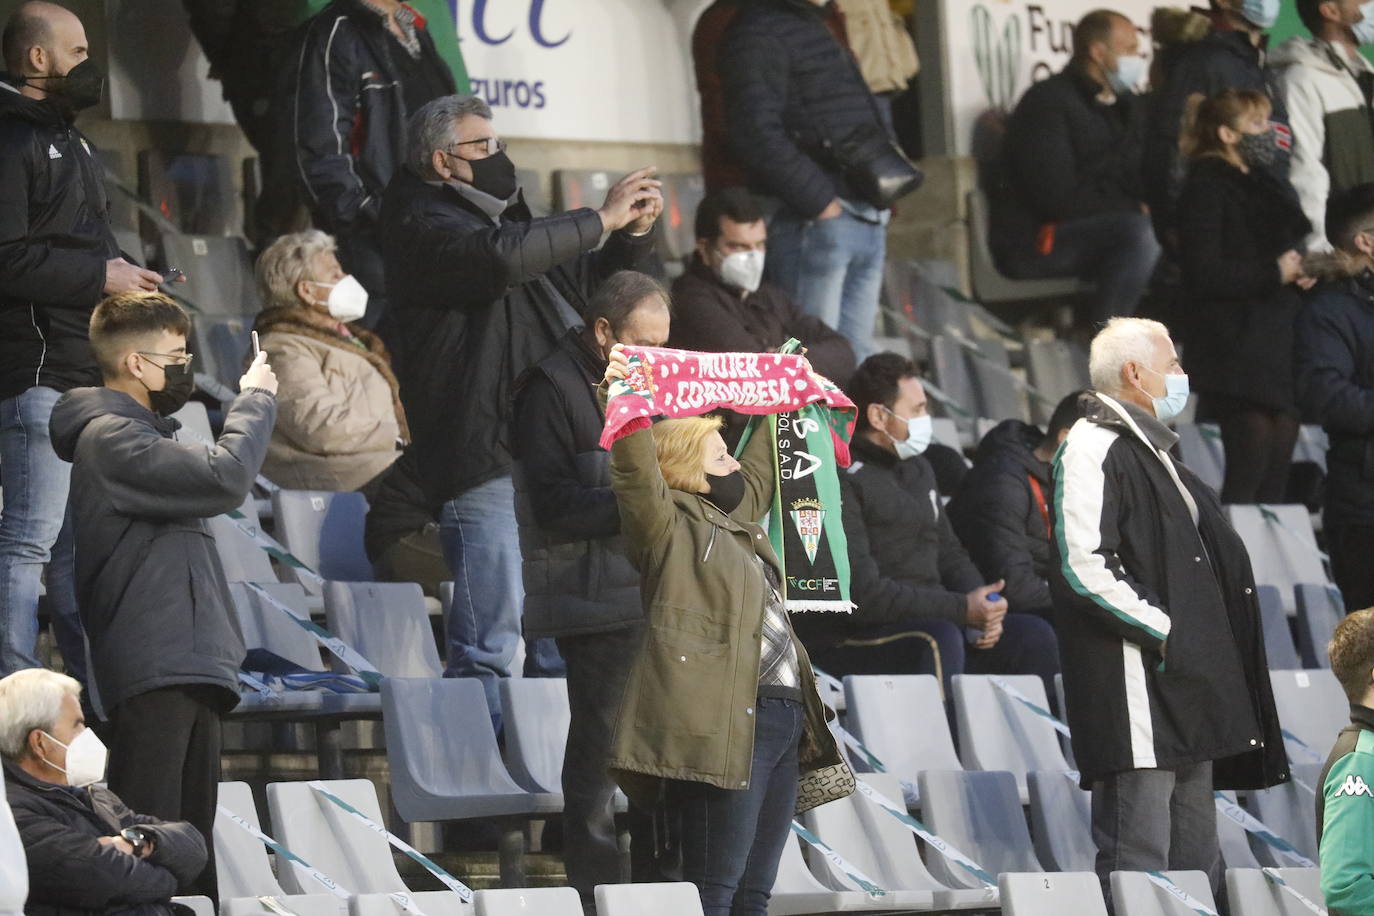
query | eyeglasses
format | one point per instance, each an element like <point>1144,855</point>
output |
<point>173,359</point>
<point>494,145</point>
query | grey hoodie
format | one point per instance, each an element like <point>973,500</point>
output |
<point>152,593</point>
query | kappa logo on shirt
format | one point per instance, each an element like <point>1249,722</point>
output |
<point>52,152</point>
<point>1354,785</point>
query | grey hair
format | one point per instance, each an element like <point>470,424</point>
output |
<point>433,127</point>
<point>1122,341</point>
<point>287,262</point>
<point>29,699</point>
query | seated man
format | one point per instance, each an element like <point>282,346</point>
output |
<point>1002,510</point>
<point>1345,804</point>
<point>722,305</point>
<point>1072,154</point>
<point>915,587</point>
<point>86,851</point>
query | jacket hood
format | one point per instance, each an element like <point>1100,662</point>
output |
<point>1013,443</point>
<point>14,104</point>
<point>1333,265</point>
<point>78,407</point>
<point>1303,52</point>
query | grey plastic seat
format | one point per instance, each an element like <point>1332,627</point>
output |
<point>990,285</point>
<point>1312,708</point>
<point>1234,840</point>
<point>901,719</point>
<point>683,194</point>
<point>883,849</point>
<point>1320,609</point>
<point>797,892</point>
<point>997,732</point>
<point>431,903</point>
<point>946,432</point>
<point>536,717</point>
<point>330,839</point>
<point>242,559</point>
<point>999,395</point>
<point>1057,368</point>
<point>952,372</point>
<point>534,901</point>
<point>325,532</point>
<point>14,871</point>
<point>1289,810</point>
<point>1061,823</point>
<point>1252,894</point>
<point>980,814</point>
<point>195,191</point>
<point>221,345</point>
<point>574,188</point>
<point>195,422</point>
<point>1312,445</point>
<point>199,906</point>
<point>219,273</point>
<point>1283,552</point>
<point>387,623</point>
<point>1135,895</point>
<point>1278,635</point>
<point>1076,893</point>
<point>680,899</point>
<point>1201,448</point>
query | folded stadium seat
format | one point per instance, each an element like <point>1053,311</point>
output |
<point>535,717</point>
<point>946,432</point>
<point>1199,445</point>
<point>999,396</point>
<point>899,345</point>
<point>682,195</point>
<point>679,899</point>
<point>1250,893</point>
<point>14,870</point>
<point>1320,609</point>
<point>901,719</point>
<point>1289,810</point>
<point>574,188</point>
<point>1278,635</point>
<point>445,765</point>
<point>1057,368</point>
<point>219,274</point>
<point>1061,822</point>
<point>1077,893</point>
<point>534,901</point>
<point>387,623</point>
<point>997,732</point>
<point>1313,709</point>
<point>953,374</point>
<point>195,423</point>
<point>325,532</point>
<point>879,846</point>
<point>1135,895</point>
<point>1065,743</point>
<point>1312,445</point>
<point>431,903</point>
<point>979,814</point>
<point>244,870</point>
<point>1234,840</point>
<point>199,906</point>
<point>1283,550</point>
<point>797,892</point>
<point>222,345</point>
<point>242,559</point>
<point>536,195</point>
<point>990,285</point>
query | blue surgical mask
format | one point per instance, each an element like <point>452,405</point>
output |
<point>1128,75</point>
<point>1175,395</point>
<point>919,431</point>
<point>1364,29</point>
<point>1262,13</point>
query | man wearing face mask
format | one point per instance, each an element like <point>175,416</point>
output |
<point>1072,154</point>
<point>915,586</point>
<point>58,258</point>
<point>1165,675</point>
<point>165,645</point>
<point>86,850</point>
<point>1328,86</point>
<point>722,304</point>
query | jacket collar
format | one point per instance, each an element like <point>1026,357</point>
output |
<point>1362,716</point>
<point>1128,419</point>
<point>864,450</point>
<point>18,776</point>
<point>584,355</point>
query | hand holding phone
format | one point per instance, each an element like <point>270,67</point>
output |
<point>257,348</point>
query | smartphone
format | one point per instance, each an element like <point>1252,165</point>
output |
<point>257,348</point>
<point>172,274</point>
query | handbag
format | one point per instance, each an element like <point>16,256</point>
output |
<point>826,784</point>
<point>874,167</point>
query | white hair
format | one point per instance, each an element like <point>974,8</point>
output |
<point>434,126</point>
<point>1122,341</point>
<point>29,699</point>
<point>288,261</point>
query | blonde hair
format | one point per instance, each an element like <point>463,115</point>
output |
<point>680,445</point>
<point>288,261</point>
<point>31,698</point>
<point>1122,341</point>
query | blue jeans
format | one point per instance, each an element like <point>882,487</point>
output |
<point>833,268</point>
<point>35,531</point>
<point>732,839</point>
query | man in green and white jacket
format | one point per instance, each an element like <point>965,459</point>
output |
<point>1345,808</point>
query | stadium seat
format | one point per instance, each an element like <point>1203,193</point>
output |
<point>1252,894</point>
<point>330,839</point>
<point>1076,893</point>
<point>195,422</point>
<point>946,432</point>
<point>130,244</point>
<point>1135,895</point>
<point>978,813</point>
<point>387,623</point>
<point>1234,841</point>
<point>997,732</point>
<point>574,188</point>
<point>679,899</point>
<point>1288,809</point>
<point>999,391</point>
<point>242,866</point>
<point>901,719</point>
<point>990,285</point>
<point>1320,609</point>
<point>1313,709</point>
<point>535,717</point>
<point>682,195</point>
<point>1200,446</point>
<point>1057,368</point>
<point>1061,822</point>
<point>242,559</point>
<point>1278,635</point>
<point>1283,551</point>
<point>431,903</point>
<point>1312,445</point>
<point>199,906</point>
<point>536,901</point>
<point>14,870</point>
<point>195,191</point>
<point>219,274</point>
<point>953,375</point>
<point>325,532</point>
<point>797,892</point>
<point>221,345</point>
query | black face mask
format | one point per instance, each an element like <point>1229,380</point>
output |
<point>175,392</point>
<point>727,491</point>
<point>80,88</point>
<point>494,175</point>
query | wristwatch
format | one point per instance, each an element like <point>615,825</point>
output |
<point>138,838</point>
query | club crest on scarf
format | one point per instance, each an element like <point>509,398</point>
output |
<point>808,517</point>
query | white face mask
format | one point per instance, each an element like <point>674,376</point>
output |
<point>347,299</point>
<point>1364,29</point>
<point>1128,75</point>
<point>1263,13</point>
<point>1175,395</point>
<point>919,432</point>
<point>743,269</point>
<point>85,758</point>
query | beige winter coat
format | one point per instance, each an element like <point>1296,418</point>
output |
<point>881,42</point>
<point>339,420</point>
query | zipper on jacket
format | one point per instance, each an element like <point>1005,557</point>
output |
<point>710,544</point>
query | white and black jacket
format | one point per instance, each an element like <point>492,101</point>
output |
<point>1147,562</point>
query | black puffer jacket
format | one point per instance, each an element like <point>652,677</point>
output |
<point>577,577</point>
<point>478,303</point>
<point>998,518</point>
<point>54,241</point>
<point>791,90</point>
<point>72,874</point>
<point>152,593</point>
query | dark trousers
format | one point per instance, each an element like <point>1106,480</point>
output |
<point>164,761</point>
<point>1156,820</point>
<point>732,839</point>
<point>1259,449</point>
<point>598,667</point>
<point>1352,550</point>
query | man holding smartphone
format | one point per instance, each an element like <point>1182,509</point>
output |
<point>58,258</point>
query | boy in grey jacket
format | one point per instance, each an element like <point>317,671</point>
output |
<point>165,647</point>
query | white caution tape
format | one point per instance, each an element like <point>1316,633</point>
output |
<point>939,845</point>
<point>1179,894</point>
<point>850,871</point>
<point>854,744</point>
<point>336,646</point>
<point>273,548</point>
<point>1273,875</point>
<point>1034,707</point>
<point>829,681</point>
<point>272,904</point>
<point>452,883</point>
<point>1302,748</point>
